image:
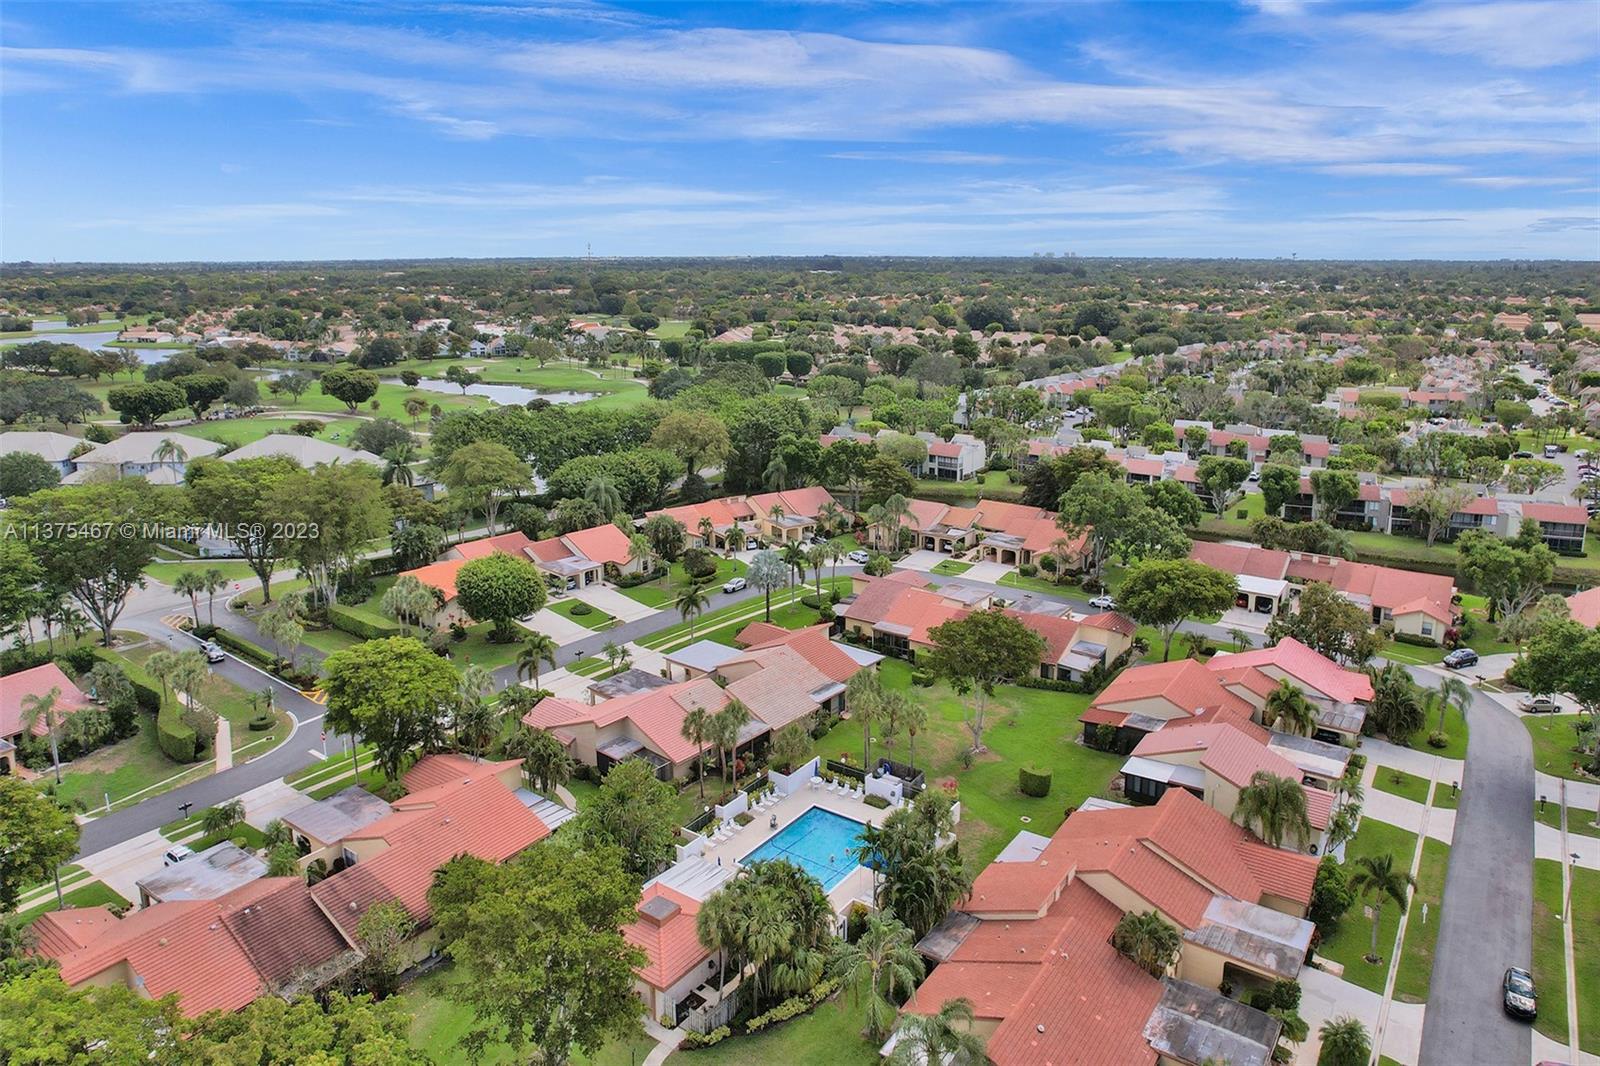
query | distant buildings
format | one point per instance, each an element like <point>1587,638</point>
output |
<point>159,457</point>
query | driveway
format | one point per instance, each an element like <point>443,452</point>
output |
<point>607,599</point>
<point>1324,997</point>
<point>987,573</point>
<point>921,560</point>
<point>1488,922</point>
<point>558,627</point>
<point>1247,620</point>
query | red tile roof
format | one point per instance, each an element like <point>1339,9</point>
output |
<point>1310,668</point>
<point>601,544</point>
<point>15,688</point>
<point>480,817</point>
<point>433,771</point>
<point>1568,513</point>
<point>441,576</point>
<point>59,933</point>
<point>671,945</point>
<point>1111,621</point>
<point>813,643</point>
<point>1241,559</point>
<point>656,713</point>
<point>513,543</point>
<point>903,605</point>
<point>805,503</point>
<point>1227,752</point>
<point>1585,607</point>
<point>723,513</point>
<point>1187,686</point>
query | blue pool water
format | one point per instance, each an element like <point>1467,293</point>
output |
<point>819,842</point>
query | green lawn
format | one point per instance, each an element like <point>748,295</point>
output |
<point>662,591</point>
<point>329,640</point>
<point>594,618</point>
<point>1579,821</point>
<point>1455,728</point>
<point>95,894</point>
<point>1586,955</point>
<point>371,779</point>
<point>1416,960</point>
<point>994,484</point>
<point>280,587</point>
<point>479,649</point>
<point>1045,585</point>
<point>951,568</point>
<point>1549,954</point>
<point>1553,742</point>
<point>678,634</point>
<point>319,772</point>
<point>829,1034</point>
<point>391,400</point>
<point>1442,797</point>
<point>228,701</point>
<point>232,570</point>
<point>1353,939</point>
<point>1400,783</point>
<point>790,616</point>
<point>437,1023</point>
<point>368,609</point>
<point>1024,727</point>
<point>240,431</point>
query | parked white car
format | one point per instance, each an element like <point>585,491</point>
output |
<point>737,584</point>
<point>1103,603</point>
<point>176,854</point>
<point>859,557</point>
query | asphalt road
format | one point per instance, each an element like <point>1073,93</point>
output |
<point>1487,924</point>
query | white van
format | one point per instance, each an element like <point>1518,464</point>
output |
<point>1551,451</point>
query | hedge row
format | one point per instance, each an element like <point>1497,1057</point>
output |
<point>357,626</point>
<point>255,653</point>
<point>177,740</point>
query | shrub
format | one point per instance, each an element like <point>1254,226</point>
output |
<point>811,601</point>
<point>245,649</point>
<point>177,739</point>
<point>875,801</point>
<point>693,1040</point>
<point>1033,781</point>
<point>580,608</point>
<point>79,660</point>
<point>16,660</point>
<point>922,679</point>
<point>306,427</point>
<point>792,1007</point>
<point>343,618</point>
<point>744,818</point>
<point>628,581</point>
<point>1028,570</point>
<point>1103,737</point>
<point>1438,739</point>
<point>261,723</point>
<point>1415,640</point>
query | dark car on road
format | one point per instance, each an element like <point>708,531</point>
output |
<point>1520,998</point>
<point>1460,658</point>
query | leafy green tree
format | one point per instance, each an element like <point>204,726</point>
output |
<point>1274,808</point>
<point>44,1021</point>
<point>97,571</point>
<point>500,588</point>
<point>976,653</point>
<point>698,438</point>
<point>634,811</point>
<point>544,758</point>
<point>250,495</point>
<point>349,386</point>
<point>1329,624</point>
<point>667,536</point>
<point>222,817</point>
<point>1148,941</point>
<point>144,403</point>
<point>1279,485</point>
<point>335,515</point>
<point>542,960</point>
<point>39,836</point>
<point>775,920</point>
<point>200,391</point>
<point>1333,490</point>
<point>24,472</point>
<point>482,473</point>
<point>383,935</point>
<point>20,594</point>
<point>1511,575</point>
<point>884,962</point>
<point>1330,896</point>
<point>1432,506</point>
<point>1221,477</point>
<point>918,878</point>
<point>1164,592</point>
<point>389,693</point>
<point>1175,499</point>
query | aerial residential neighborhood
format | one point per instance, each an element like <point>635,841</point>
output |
<point>652,535</point>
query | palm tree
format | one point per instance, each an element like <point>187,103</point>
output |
<point>691,603</point>
<point>725,727</point>
<point>1453,692</point>
<point>696,730</point>
<point>708,531</point>
<point>796,559</point>
<point>188,671</point>
<point>717,926</point>
<point>42,708</point>
<point>835,553</point>
<point>896,511</point>
<point>280,623</point>
<point>537,648</point>
<point>189,583</point>
<point>222,817</point>
<point>1274,808</point>
<point>875,524</point>
<point>1376,880</point>
<point>1148,942</point>
<point>604,495</point>
<point>544,758</point>
<point>1288,710</point>
<point>1343,824</point>
<point>863,696</point>
<point>414,406</point>
<point>474,716</point>
<point>397,464</point>
<point>914,717</point>
<point>1241,639</point>
<point>641,550</point>
<point>885,960</point>
<point>1344,1042</point>
<point>407,601</point>
<point>159,666</point>
<point>170,451</point>
<point>215,581</point>
<point>945,1037</point>
<point>829,515</point>
<point>892,713</point>
<point>776,476</point>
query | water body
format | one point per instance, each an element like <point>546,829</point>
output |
<point>501,394</point>
<point>93,341</point>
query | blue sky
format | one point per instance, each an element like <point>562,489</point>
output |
<point>1274,127</point>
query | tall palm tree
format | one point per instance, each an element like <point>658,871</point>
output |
<point>885,961</point>
<point>414,406</point>
<point>945,1037</point>
<point>41,707</point>
<point>604,495</point>
<point>536,648</point>
<point>1288,710</point>
<point>863,696</point>
<point>1148,942</point>
<point>169,451</point>
<point>829,515</point>
<point>1377,880</point>
<point>708,531</point>
<point>892,713</point>
<point>1344,1042</point>
<point>818,557</point>
<point>776,476</point>
<point>214,582</point>
<point>1453,692</point>
<point>1273,808</point>
<point>915,718</point>
<point>696,729</point>
<point>835,553</point>
<point>725,726</point>
<point>189,583</point>
<point>795,557</point>
<point>691,603</point>
<point>875,524</point>
<point>896,512</point>
<point>407,601</point>
<point>717,926</point>
<point>1241,639</point>
<point>397,464</point>
<point>641,550</point>
<point>159,666</point>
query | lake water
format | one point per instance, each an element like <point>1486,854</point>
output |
<point>92,341</point>
<point>501,394</point>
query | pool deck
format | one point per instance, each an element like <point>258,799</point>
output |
<point>856,885</point>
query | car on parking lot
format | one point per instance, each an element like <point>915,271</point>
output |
<point>858,556</point>
<point>1460,658</point>
<point>176,854</point>
<point>1522,455</point>
<point>1520,997</point>
<point>736,584</point>
<point>1103,603</point>
<point>1539,705</point>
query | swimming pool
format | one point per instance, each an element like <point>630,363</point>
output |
<point>819,842</point>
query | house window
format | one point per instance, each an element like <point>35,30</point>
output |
<point>1427,629</point>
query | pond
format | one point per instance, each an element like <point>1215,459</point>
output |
<point>91,341</point>
<point>501,394</point>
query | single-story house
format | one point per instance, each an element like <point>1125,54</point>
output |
<point>17,692</point>
<point>212,873</point>
<point>160,457</point>
<point>54,448</point>
<point>307,451</point>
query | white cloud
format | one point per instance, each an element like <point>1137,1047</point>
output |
<point>1530,35</point>
<point>1390,170</point>
<point>931,156</point>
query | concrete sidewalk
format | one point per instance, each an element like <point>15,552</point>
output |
<point>1325,997</point>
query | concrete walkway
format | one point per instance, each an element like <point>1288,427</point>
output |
<point>558,627</point>
<point>1386,1007</point>
<point>224,744</point>
<point>921,561</point>
<point>122,865</point>
<point>1324,997</point>
<point>667,1041</point>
